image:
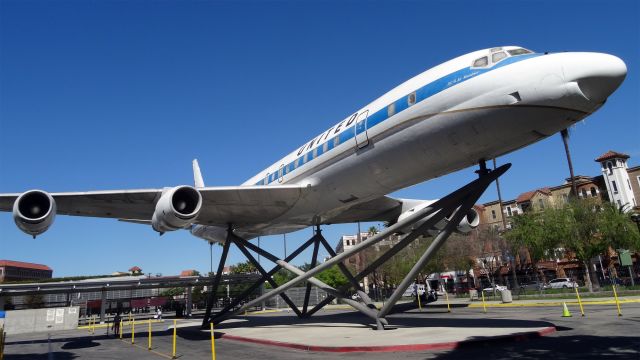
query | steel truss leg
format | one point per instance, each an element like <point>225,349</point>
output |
<point>216,280</point>
<point>458,202</point>
<point>247,292</point>
<point>314,260</point>
<point>284,264</point>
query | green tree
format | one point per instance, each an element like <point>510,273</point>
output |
<point>577,228</point>
<point>527,231</point>
<point>243,268</point>
<point>333,277</point>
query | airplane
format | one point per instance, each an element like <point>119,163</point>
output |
<point>478,106</point>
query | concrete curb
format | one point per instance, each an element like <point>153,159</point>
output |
<point>390,348</point>
<point>555,303</point>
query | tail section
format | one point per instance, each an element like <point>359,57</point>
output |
<point>197,175</point>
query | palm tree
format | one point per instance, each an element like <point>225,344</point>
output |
<point>372,230</point>
<point>565,140</point>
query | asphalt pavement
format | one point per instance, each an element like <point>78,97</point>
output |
<point>600,334</point>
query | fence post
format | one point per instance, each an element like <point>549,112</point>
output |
<point>149,334</point>
<point>174,338</point>
<point>213,346</point>
<point>615,294</point>
<point>133,332</point>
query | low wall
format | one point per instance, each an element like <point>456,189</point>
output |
<point>41,320</point>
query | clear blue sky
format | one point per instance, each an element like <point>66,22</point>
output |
<point>115,95</point>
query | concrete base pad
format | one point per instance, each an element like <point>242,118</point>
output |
<point>354,337</point>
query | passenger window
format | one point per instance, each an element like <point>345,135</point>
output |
<point>391,110</point>
<point>325,146</point>
<point>498,56</point>
<point>483,61</point>
<point>411,100</point>
<point>336,141</point>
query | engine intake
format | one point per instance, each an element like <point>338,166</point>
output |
<point>34,212</point>
<point>177,208</point>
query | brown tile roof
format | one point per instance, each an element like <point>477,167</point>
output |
<point>187,273</point>
<point>529,194</point>
<point>135,269</point>
<point>611,155</point>
<point>25,265</point>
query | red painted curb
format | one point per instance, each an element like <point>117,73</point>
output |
<point>389,348</point>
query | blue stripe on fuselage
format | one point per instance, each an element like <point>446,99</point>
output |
<point>401,104</point>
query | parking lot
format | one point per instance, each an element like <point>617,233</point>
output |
<point>601,333</point>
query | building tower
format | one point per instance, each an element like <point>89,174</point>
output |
<point>616,177</point>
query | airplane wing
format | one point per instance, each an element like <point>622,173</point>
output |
<point>221,205</point>
<point>384,208</point>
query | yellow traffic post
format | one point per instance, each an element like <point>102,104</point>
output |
<point>149,334</point>
<point>93,324</point>
<point>448,306</point>
<point>121,329</point>
<point>213,345</point>
<point>484,305</point>
<point>174,338</point>
<point>133,332</point>
<point>615,294</point>
<point>579,301</point>
<point>418,295</point>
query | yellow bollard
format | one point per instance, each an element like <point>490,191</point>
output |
<point>418,295</point>
<point>174,338</point>
<point>149,334</point>
<point>579,301</point>
<point>448,306</point>
<point>615,294</point>
<point>121,329</point>
<point>213,345</point>
<point>133,332</point>
<point>484,305</point>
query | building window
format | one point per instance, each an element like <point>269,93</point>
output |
<point>629,183</point>
<point>614,186</point>
<point>619,204</point>
<point>509,211</point>
<point>610,167</point>
<point>594,192</point>
<point>493,214</point>
<point>541,203</point>
<point>638,180</point>
<point>565,198</point>
<point>583,193</point>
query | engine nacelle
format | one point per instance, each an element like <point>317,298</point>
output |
<point>177,208</point>
<point>34,212</point>
<point>470,221</point>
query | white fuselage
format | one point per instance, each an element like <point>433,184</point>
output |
<point>444,119</point>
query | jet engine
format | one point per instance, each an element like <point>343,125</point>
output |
<point>177,208</point>
<point>34,211</point>
<point>470,221</point>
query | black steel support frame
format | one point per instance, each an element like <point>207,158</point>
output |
<point>457,203</point>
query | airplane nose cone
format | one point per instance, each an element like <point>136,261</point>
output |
<point>597,75</point>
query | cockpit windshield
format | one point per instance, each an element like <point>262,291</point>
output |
<point>497,55</point>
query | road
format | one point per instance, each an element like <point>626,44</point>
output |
<point>601,333</point>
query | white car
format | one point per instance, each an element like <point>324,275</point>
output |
<point>497,289</point>
<point>561,283</point>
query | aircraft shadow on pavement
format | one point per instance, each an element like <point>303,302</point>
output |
<point>549,347</point>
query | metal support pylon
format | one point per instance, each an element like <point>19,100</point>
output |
<point>457,203</point>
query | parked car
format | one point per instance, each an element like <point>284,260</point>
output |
<point>532,286</point>
<point>497,289</point>
<point>561,283</point>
